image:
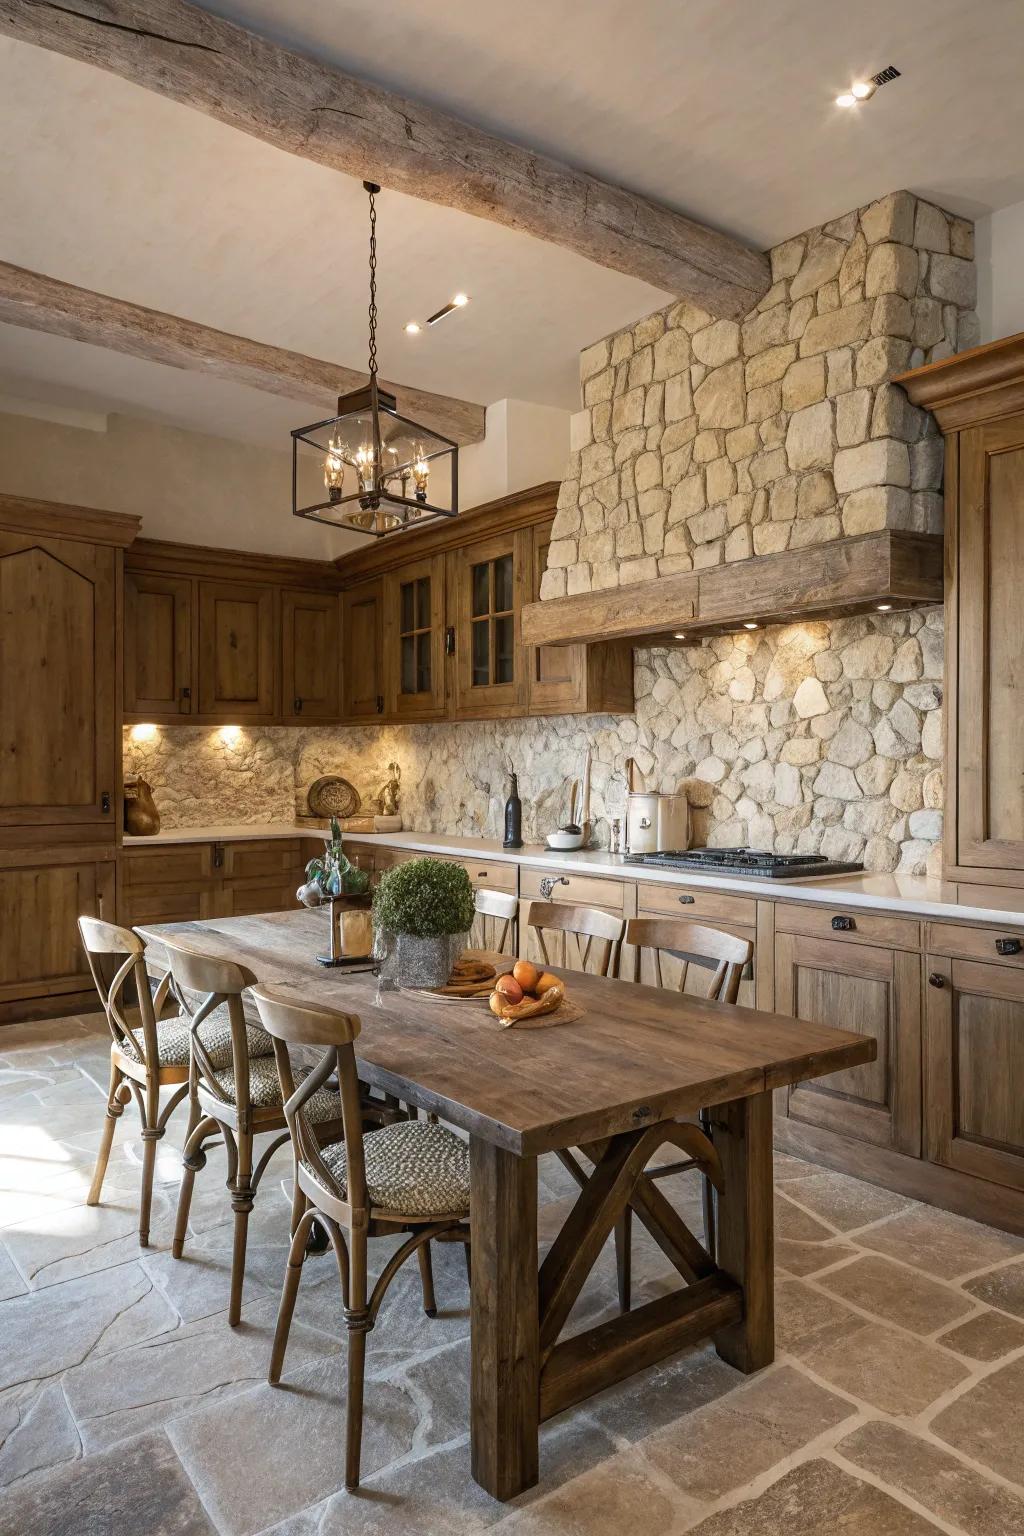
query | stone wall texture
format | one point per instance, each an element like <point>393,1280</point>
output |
<point>703,441</point>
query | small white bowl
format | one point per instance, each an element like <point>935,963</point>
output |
<point>564,842</point>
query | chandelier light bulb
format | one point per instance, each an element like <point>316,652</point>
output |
<point>420,475</point>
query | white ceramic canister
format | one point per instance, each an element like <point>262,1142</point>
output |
<point>642,822</point>
<point>673,823</point>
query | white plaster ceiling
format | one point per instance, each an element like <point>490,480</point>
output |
<point>723,110</point>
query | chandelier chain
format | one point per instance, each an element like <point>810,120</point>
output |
<point>373,287</point>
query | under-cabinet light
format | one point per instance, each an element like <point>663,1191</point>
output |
<point>143,733</point>
<point>230,735</point>
<point>750,625</point>
<point>885,607</point>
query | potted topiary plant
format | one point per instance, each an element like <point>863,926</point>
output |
<point>422,913</point>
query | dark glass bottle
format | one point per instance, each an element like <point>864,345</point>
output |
<point>513,816</point>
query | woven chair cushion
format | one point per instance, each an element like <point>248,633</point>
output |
<point>265,1090</point>
<point>412,1167</point>
<point>172,1039</point>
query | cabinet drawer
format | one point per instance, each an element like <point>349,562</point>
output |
<point>490,874</point>
<point>176,904</point>
<point>176,864</point>
<point>578,890</point>
<point>271,895</point>
<point>695,905</point>
<point>840,923</point>
<point>977,943</point>
<point>253,861</point>
<point>387,858</point>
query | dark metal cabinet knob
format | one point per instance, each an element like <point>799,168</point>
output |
<point>548,884</point>
<point>686,901</point>
<point>218,855</point>
<point>843,924</point>
<point>1008,946</point>
<point>380,703</point>
<point>105,802</point>
<point>297,705</point>
<point>936,980</point>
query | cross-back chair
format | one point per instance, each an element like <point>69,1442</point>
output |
<point>234,1092</point>
<point>408,1176</point>
<point>726,956</point>
<point>148,1049</point>
<point>592,937</point>
<point>503,908</point>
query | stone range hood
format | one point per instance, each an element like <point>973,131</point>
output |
<point>889,569</point>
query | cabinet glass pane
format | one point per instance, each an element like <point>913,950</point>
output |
<point>503,584</point>
<point>408,668</point>
<point>423,603</point>
<point>504,633</point>
<point>481,653</point>
<point>423,663</point>
<point>406,605</point>
<point>481,588</point>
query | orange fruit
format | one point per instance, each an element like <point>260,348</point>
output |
<point>546,980</point>
<point>509,988</point>
<point>527,974</point>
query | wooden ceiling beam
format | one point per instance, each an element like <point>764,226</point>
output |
<point>40,303</point>
<point>309,108</point>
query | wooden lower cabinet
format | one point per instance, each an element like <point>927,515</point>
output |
<point>974,1068</point>
<point>873,990</point>
<point>43,892</point>
<point>183,881</point>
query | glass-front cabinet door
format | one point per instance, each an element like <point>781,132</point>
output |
<point>489,582</point>
<point>414,639</point>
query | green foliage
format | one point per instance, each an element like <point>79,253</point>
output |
<point>425,897</point>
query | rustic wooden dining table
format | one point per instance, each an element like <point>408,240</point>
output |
<point>625,1078</point>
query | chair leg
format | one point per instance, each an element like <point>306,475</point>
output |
<point>241,1204</point>
<point>354,1406</point>
<point>427,1279</point>
<point>292,1276</point>
<point>115,1109</point>
<point>624,1257</point>
<point>151,1134</point>
<point>192,1159</point>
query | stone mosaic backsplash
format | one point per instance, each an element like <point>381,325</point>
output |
<point>811,737</point>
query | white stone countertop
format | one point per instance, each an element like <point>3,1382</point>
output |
<point>906,894</point>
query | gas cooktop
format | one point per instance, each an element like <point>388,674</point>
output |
<point>746,861</point>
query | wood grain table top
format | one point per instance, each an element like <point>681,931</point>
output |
<point>638,1055</point>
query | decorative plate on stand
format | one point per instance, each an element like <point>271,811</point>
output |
<point>333,796</point>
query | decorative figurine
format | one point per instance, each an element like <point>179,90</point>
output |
<point>387,798</point>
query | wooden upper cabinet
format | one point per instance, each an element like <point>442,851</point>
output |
<point>159,613</point>
<point>237,651</point>
<point>574,679</point>
<point>310,656</point>
<point>990,649</point>
<point>58,708</point>
<point>414,648</point>
<point>875,991</point>
<point>487,586</point>
<point>974,1066</point>
<point>362,644</point>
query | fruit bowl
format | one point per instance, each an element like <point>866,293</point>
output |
<point>526,992</point>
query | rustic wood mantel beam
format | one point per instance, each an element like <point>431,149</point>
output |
<point>40,303</point>
<point>311,109</point>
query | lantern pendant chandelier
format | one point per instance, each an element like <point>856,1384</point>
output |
<point>381,472</point>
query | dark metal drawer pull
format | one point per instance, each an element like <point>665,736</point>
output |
<point>843,924</point>
<point>1007,946</point>
<point>549,882</point>
<point>687,901</point>
<point>935,980</point>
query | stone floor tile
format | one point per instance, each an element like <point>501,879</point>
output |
<point>442,1381</point>
<point>1003,1288</point>
<point>791,1223</point>
<point>935,1479</point>
<point>271,1452</point>
<point>940,1243</point>
<point>808,1258</point>
<point>744,1434</point>
<point>67,1244</point>
<point>605,1501</point>
<point>888,1370</point>
<point>49,1331</point>
<point>985,1422</point>
<point>425,1497</point>
<point>198,1284</point>
<point>805,1319</point>
<point>846,1203</point>
<point>36,1431</point>
<point>170,1375</point>
<point>140,1488</point>
<point>787,1168</point>
<point>643,1403</point>
<point>816,1497</point>
<point>897,1294</point>
<point>12,1282</point>
<point>985,1337</point>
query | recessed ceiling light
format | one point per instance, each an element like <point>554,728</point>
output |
<point>412,329</point>
<point>885,607</point>
<point>847,99</point>
<point>679,635</point>
<point>460,299</point>
<point>863,89</point>
<point>458,302</point>
<point>750,625</point>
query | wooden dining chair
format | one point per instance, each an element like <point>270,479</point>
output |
<point>585,927</point>
<point>502,908</point>
<point>407,1176</point>
<point>709,949</point>
<point>149,1048</point>
<point>234,1091</point>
